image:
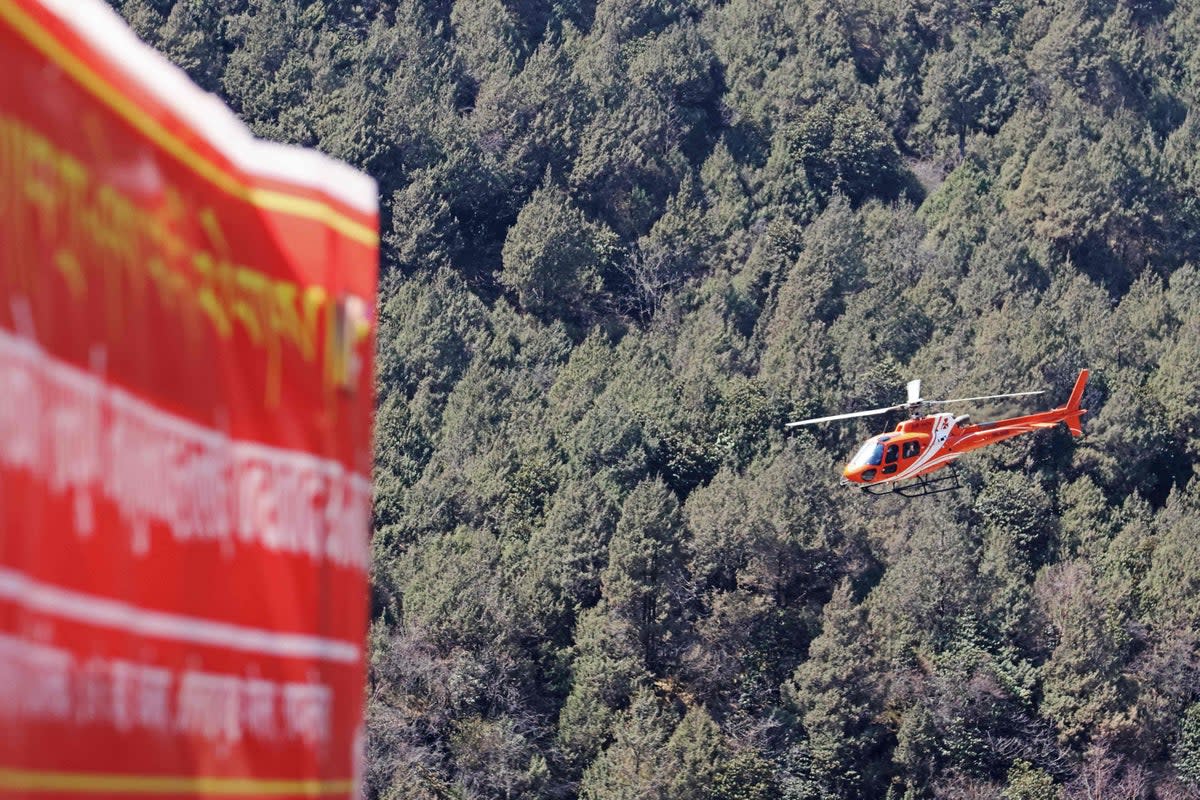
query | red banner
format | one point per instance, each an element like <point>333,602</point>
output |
<point>185,396</point>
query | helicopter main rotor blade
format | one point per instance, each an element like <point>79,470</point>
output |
<point>983,397</point>
<point>844,416</point>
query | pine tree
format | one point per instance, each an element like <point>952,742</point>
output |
<point>833,692</point>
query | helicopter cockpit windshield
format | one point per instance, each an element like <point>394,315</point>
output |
<point>870,453</point>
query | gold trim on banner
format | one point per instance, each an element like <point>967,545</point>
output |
<point>99,783</point>
<point>267,199</point>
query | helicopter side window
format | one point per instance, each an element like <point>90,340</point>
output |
<point>889,460</point>
<point>911,449</point>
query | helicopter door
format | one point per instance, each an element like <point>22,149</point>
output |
<point>889,458</point>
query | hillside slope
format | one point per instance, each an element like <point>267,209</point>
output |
<point>625,241</point>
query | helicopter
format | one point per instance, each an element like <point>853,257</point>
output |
<point>900,462</point>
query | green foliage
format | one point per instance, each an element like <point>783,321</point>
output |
<point>968,88</point>
<point>635,764</point>
<point>1172,582</point>
<point>629,162</point>
<point>574,539</point>
<point>762,531</point>
<point>623,242</point>
<point>606,672</point>
<point>1187,751</point>
<point>494,758</point>
<point>448,588</point>
<point>834,148</point>
<point>269,74</point>
<point>699,755</point>
<point>833,691</point>
<point>746,775</point>
<point>487,36</point>
<point>643,582</point>
<point>1018,513</point>
<point>1083,692</point>
<point>1027,782</point>
<point>186,37</point>
<point>554,257</point>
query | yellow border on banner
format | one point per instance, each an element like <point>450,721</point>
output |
<point>99,783</point>
<point>50,47</point>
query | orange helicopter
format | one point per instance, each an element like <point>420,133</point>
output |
<point>899,462</point>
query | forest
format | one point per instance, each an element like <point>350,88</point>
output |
<point>624,241</point>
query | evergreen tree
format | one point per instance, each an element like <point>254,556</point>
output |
<point>554,257</point>
<point>643,582</point>
<point>834,695</point>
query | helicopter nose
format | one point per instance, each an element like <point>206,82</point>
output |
<point>858,475</point>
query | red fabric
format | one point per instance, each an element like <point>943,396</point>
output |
<point>185,398</point>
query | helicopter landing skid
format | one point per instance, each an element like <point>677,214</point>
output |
<point>920,486</point>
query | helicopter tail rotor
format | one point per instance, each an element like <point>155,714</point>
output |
<point>1073,419</point>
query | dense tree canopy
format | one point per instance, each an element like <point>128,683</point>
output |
<point>624,241</point>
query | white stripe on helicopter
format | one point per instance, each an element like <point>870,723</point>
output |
<point>938,437</point>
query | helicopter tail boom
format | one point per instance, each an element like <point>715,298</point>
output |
<point>985,433</point>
